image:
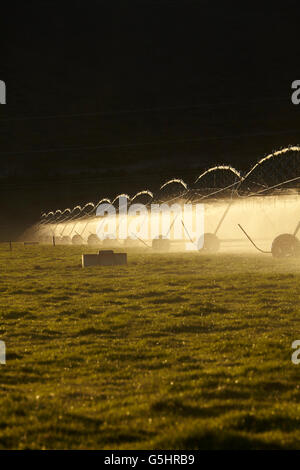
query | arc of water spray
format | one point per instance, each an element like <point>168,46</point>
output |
<point>220,167</point>
<point>294,148</point>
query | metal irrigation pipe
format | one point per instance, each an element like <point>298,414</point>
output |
<point>250,239</point>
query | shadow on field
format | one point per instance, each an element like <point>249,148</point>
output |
<point>218,440</point>
<point>175,406</point>
<point>260,424</point>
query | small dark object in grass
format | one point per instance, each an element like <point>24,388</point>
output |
<point>104,258</point>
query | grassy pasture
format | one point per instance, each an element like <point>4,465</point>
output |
<point>176,351</point>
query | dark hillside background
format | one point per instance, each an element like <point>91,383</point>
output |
<point>107,97</point>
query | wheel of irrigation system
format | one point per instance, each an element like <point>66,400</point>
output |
<point>285,246</point>
<point>131,243</point>
<point>77,240</point>
<point>209,243</point>
<point>93,239</point>
<point>110,242</point>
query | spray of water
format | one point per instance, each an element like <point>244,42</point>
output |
<point>220,168</point>
<point>264,212</point>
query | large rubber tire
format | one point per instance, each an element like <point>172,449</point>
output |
<point>209,243</point>
<point>110,242</point>
<point>285,246</point>
<point>93,240</point>
<point>77,240</point>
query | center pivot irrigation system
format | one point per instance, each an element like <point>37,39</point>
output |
<point>263,202</point>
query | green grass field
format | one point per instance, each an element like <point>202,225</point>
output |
<point>177,351</point>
